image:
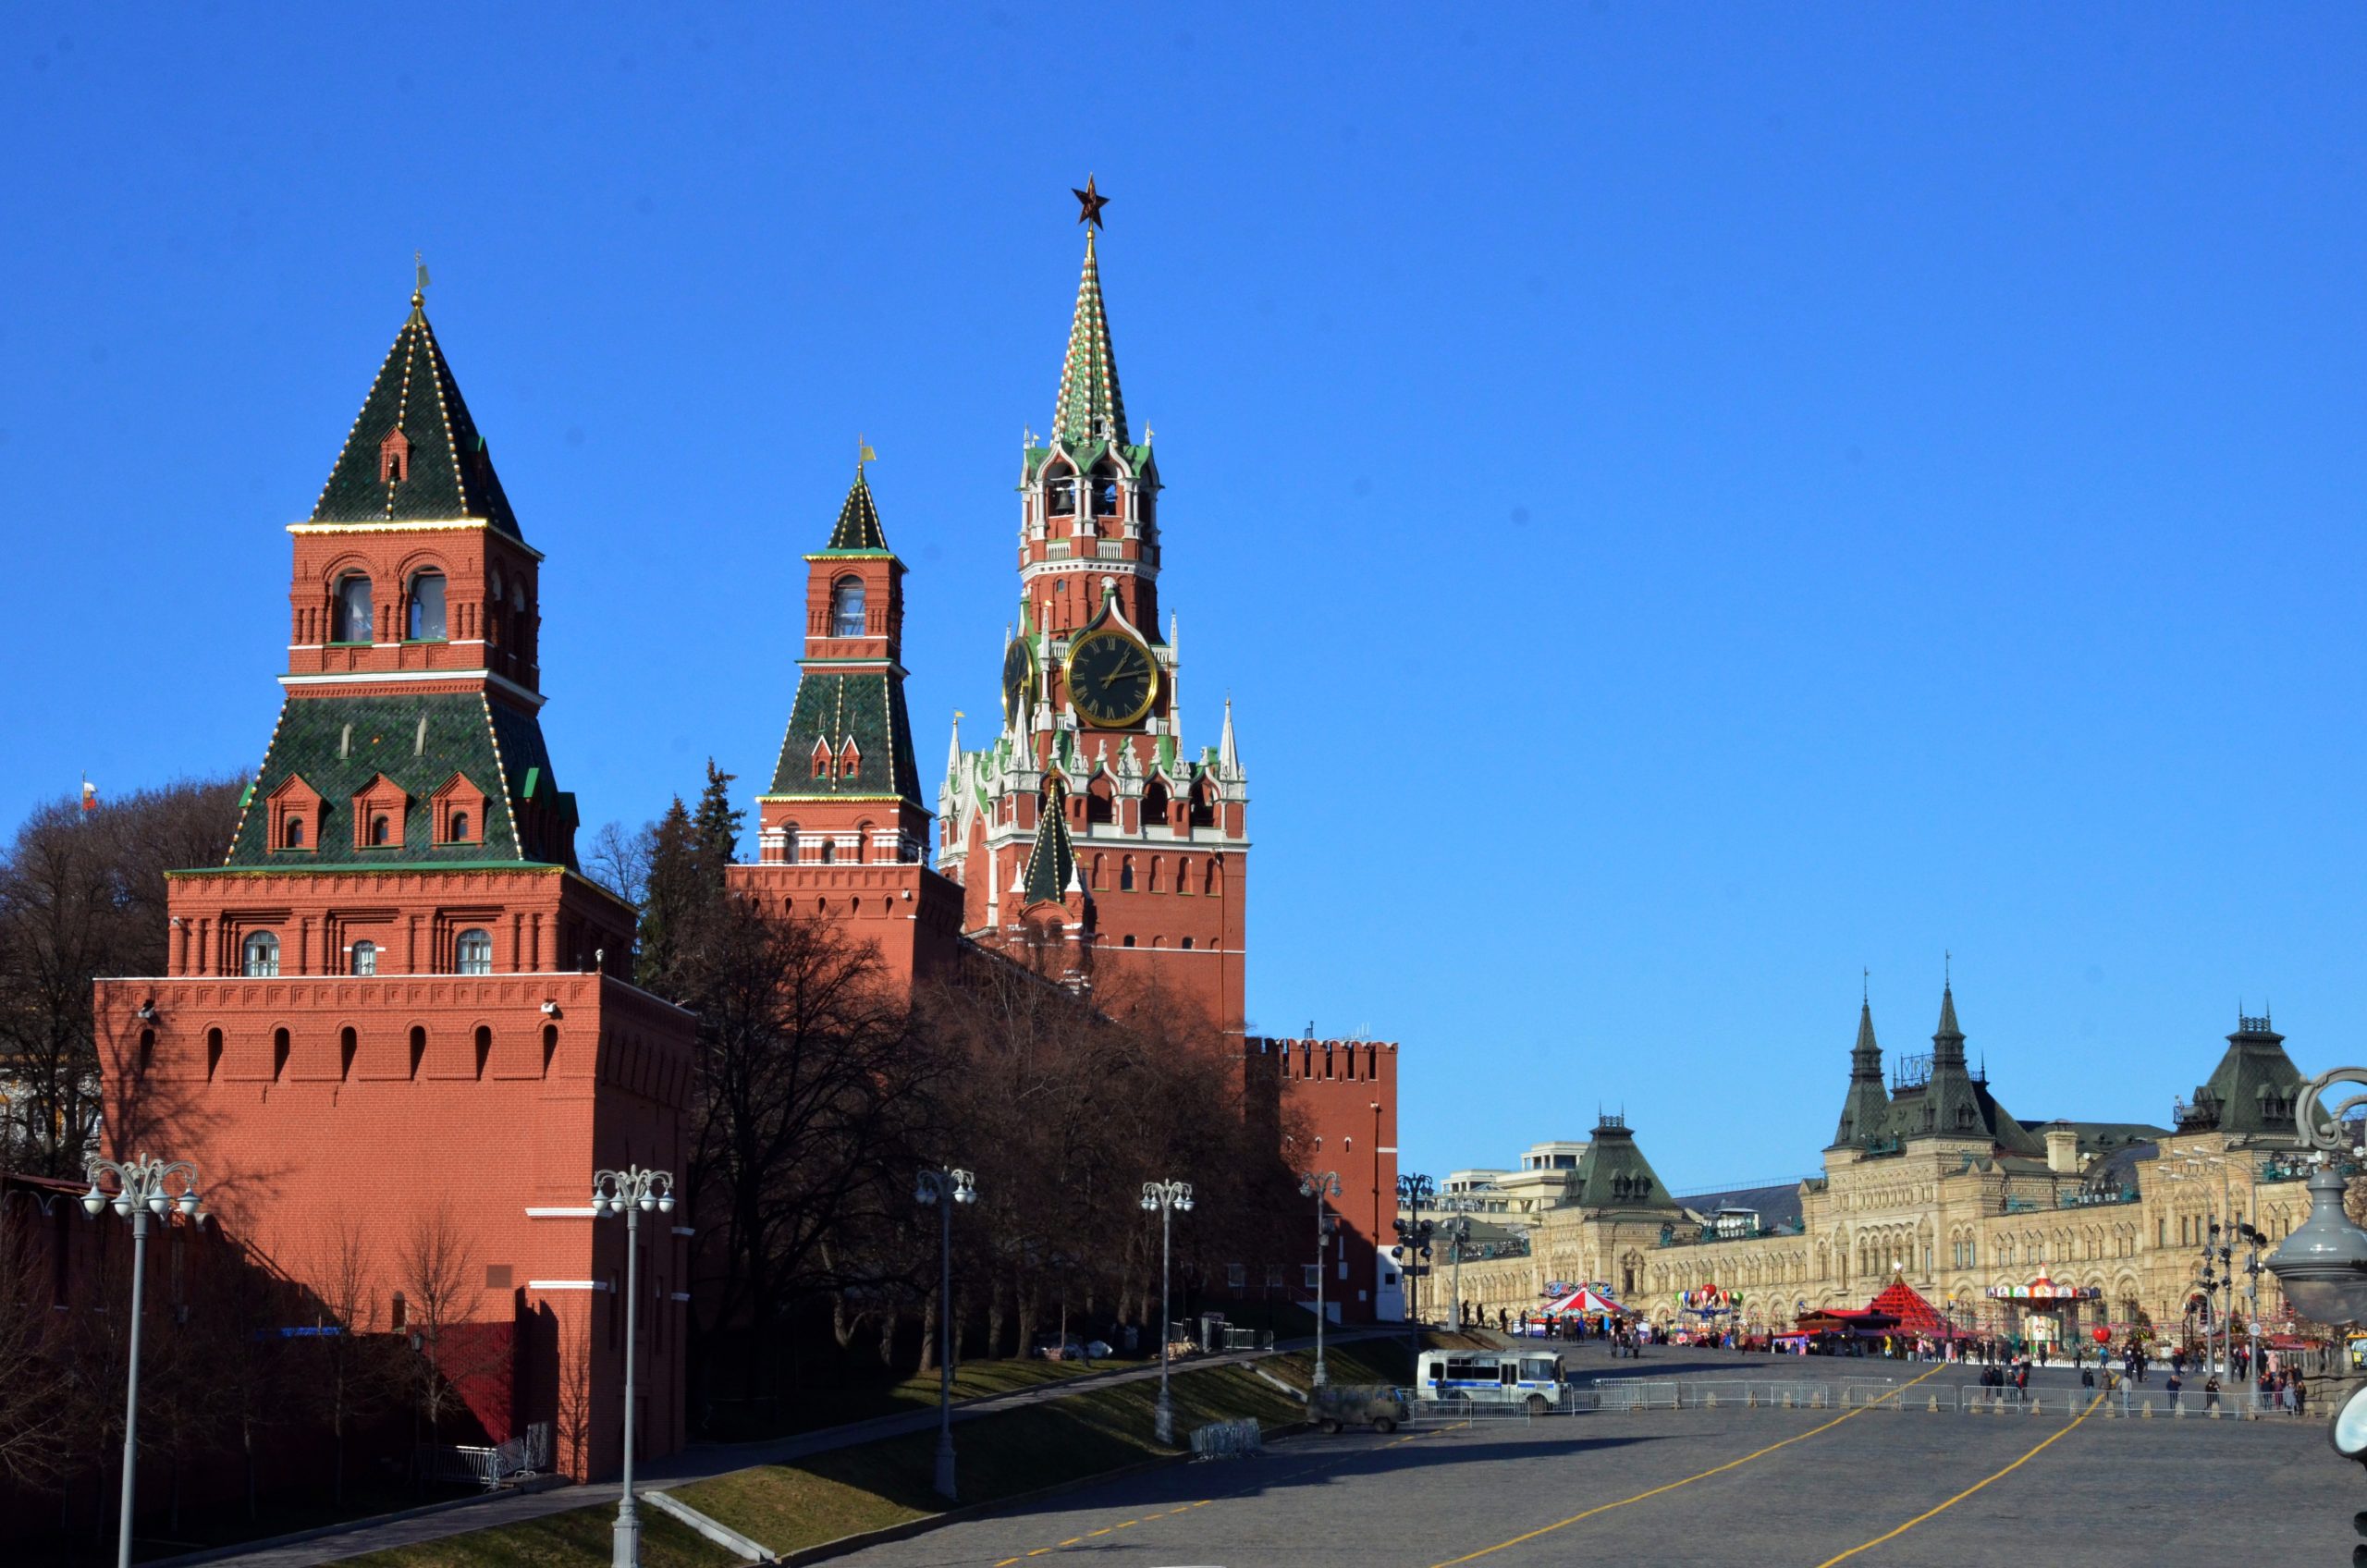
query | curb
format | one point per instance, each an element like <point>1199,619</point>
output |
<point>322,1532</point>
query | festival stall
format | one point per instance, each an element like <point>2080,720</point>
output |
<point>2042,1310</point>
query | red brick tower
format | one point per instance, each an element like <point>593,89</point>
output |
<point>397,1011</point>
<point>842,834</point>
<point>1088,822</point>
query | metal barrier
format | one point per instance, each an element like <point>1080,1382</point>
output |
<point>1228,1439</point>
<point>459,1465</point>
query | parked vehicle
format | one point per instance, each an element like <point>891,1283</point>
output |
<point>1526,1376</point>
<point>1355,1404</point>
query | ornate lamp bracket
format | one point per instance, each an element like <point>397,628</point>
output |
<point>2328,1139</point>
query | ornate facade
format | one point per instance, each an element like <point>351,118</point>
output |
<point>1930,1178</point>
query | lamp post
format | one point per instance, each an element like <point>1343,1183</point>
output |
<point>1320,1186</point>
<point>1166,1197</point>
<point>2218,1250</point>
<point>140,1192</point>
<point>632,1192</point>
<point>945,1187</point>
<point>1413,1189</point>
<point>1456,1230</point>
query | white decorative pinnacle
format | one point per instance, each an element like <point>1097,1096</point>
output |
<point>1228,754</point>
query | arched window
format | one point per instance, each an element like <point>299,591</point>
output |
<point>460,828</point>
<point>351,610</point>
<point>846,607</point>
<point>294,832</point>
<point>1061,484</point>
<point>365,958</point>
<point>474,951</point>
<point>1100,879</point>
<point>426,607</point>
<point>1155,885</point>
<point>1105,491</point>
<point>1126,875</point>
<point>1213,883</point>
<point>260,955</point>
<point>830,850</point>
<point>1130,941</point>
<point>1183,874</point>
<point>1155,805</point>
<point>380,829</point>
<point>1187,944</point>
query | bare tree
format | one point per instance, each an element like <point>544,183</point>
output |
<point>350,1372</point>
<point>82,897</point>
<point>618,860</point>
<point>442,1285</point>
<point>36,1430</point>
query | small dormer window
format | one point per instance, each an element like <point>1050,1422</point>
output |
<point>821,759</point>
<point>295,833</point>
<point>850,761</point>
<point>380,829</point>
<point>394,458</point>
<point>460,828</point>
<point>846,607</point>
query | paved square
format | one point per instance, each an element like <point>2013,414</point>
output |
<point>1717,1488</point>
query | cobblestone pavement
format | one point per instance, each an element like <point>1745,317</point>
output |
<point>1891,1486</point>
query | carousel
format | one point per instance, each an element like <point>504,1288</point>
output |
<point>2044,1311</point>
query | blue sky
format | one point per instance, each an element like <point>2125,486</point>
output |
<point>1689,503</point>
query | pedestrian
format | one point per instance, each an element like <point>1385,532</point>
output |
<point>2174,1386</point>
<point>2300,1395</point>
<point>2211,1392</point>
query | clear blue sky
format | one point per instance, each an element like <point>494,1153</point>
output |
<point>1688,502</point>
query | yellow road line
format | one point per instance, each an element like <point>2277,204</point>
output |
<point>1703,1475</point>
<point>2009,1470</point>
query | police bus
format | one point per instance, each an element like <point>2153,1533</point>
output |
<point>1528,1377</point>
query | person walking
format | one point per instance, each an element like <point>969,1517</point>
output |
<point>2174,1386</point>
<point>2211,1392</point>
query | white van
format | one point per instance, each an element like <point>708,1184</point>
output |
<point>1491,1377</point>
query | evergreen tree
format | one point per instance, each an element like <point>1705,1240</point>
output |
<point>716,827</point>
<point>671,900</point>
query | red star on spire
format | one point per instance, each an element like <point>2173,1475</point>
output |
<point>1091,200</point>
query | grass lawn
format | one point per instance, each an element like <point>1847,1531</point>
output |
<point>576,1540</point>
<point>828,1495</point>
<point>815,1408</point>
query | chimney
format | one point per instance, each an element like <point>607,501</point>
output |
<point>2062,1151</point>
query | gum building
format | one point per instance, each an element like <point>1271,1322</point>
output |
<point>1929,1177</point>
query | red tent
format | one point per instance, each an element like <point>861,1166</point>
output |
<point>1915,1314</point>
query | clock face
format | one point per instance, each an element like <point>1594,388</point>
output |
<point>1018,679</point>
<point>1111,678</point>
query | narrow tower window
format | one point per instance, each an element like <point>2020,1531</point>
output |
<point>261,956</point>
<point>427,607</point>
<point>365,958</point>
<point>846,607</point>
<point>352,610</point>
<point>295,832</point>
<point>474,951</point>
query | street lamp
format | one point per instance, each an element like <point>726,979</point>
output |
<point>1167,1198</point>
<point>945,1187</point>
<point>2323,1264</point>
<point>1318,1185</point>
<point>632,1192</point>
<point>139,1193</point>
<point>1457,1230</point>
<point>1413,1189</point>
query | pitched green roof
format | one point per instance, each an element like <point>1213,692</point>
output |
<point>858,527</point>
<point>449,472</point>
<point>1052,862</point>
<point>1089,406</point>
<point>2253,1089</point>
<point>1613,1173</point>
<point>338,745</point>
<point>1865,1112</point>
<point>830,709</point>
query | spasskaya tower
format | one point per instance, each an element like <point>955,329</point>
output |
<point>1089,833</point>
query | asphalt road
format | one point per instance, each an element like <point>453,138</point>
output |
<point>1886,1487</point>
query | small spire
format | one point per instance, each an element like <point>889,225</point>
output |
<point>1089,406</point>
<point>417,281</point>
<point>953,748</point>
<point>1228,755</point>
<point>858,525</point>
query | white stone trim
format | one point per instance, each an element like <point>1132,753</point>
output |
<point>567,1284</point>
<point>358,678</point>
<point>587,1212</point>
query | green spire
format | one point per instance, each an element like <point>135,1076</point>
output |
<point>858,526</point>
<point>1089,398</point>
<point>414,453</point>
<point>1051,864</point>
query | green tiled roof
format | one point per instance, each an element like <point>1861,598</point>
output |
<point>1053,860</point>
<point>831,709</point>
<point>337,745</point>
<point>2253,1089</point>
<point>450,473</point>
<point>1089,400</point>
<point>1866,1112</point>
<point>858,527</point>
<point>1613,1173</point>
